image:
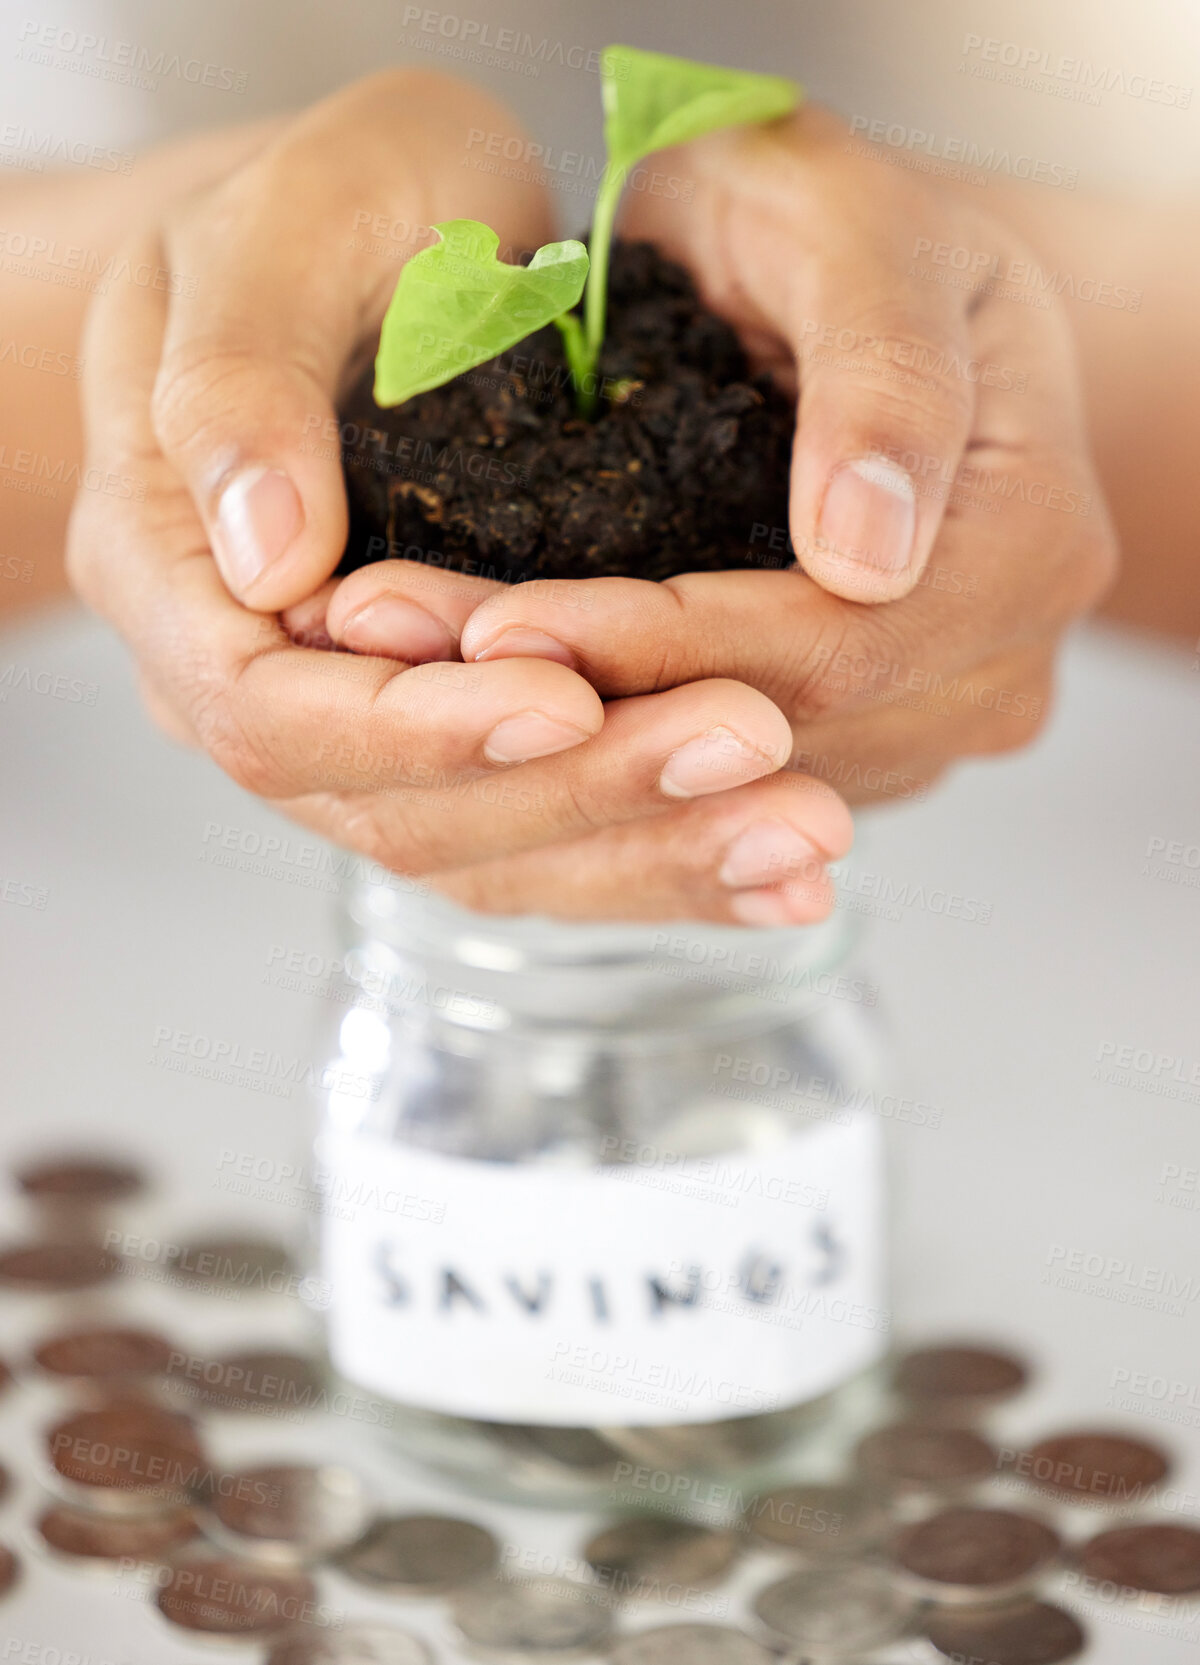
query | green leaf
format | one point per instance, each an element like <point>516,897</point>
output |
<point>652,101</point>
<point>457,306</point>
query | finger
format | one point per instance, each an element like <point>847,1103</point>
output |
<point>652,755</point>
<point>406,610</point>
<point>793,233</point>
<point>757,855</point>
<point>244,404</point>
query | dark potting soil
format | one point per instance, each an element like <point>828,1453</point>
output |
<point>495,473</point>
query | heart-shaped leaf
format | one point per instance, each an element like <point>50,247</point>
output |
<point>652,101</point>
<point>457,306</point>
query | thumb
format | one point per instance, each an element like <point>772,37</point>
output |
<point>793,237</point>
<point>282,277</point>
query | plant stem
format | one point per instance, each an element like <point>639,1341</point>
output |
<point>599,246</point>
<point>578,363</point>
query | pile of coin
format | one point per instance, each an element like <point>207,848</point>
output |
<point>930,1538</point>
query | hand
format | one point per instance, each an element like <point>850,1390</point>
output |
<point>219,400</point>
<point>944,511</point>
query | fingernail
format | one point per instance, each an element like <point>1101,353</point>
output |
<point>259,515</point>
<point>712,763</point>
<point>778,907</point>
<point>530,734</point>
<point>392,628</point>
<point>519,643</point>
<point>767,852</point>
<point>869,515</point>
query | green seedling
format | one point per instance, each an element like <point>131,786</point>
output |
<point>456,305</point>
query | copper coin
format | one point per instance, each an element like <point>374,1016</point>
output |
<point>1095,1467</point>
<point>54,1267</point>
<point>917,1456</point>
<point>127,1456</point>
<point>80,1180</point>
<point>221,1596</point>
<point>818,1522</point>
<point>104,1353</point>
<point>255,1380</point>
<point>255,1265</point>
<point>9,1568</point>
<point>292,1510</point>
<point>645,1554</point>
<point>958,1377</point>
<point>86,1536</point>
<point>1162,1558</point>
<point>1033,1633</point>
<point>975,1552</point>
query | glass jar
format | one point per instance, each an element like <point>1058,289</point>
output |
<point>600,1197</point>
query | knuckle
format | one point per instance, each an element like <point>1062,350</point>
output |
<point>225,734</point>
<point>199,387</point>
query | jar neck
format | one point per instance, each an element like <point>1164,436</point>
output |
<point>489,972</point>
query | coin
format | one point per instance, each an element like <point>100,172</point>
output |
<point>254,1264</point>
<point>645,1555</point>
<point>127,1457</point>
<point>104,1353</point>
<point>253,1380</point>
<point>290,1511</point>
<point>80,1181</point>
<point>1162,1558</point>
<point>218,1595</point>
<point>82,1535</point>
<point>511,1619</point>
<point>9,1569</point>
<point>690,1645</point>
<point>917,1456</point>
<point>419,1555</point>
<point>975,1554</point>
<point>958,1377</point>
<point>55,1267</point>
<point>828,1612</point>
<point>351,1645</point>
<point>1033,1633</point>
<point>1095,1467</point>
<point>819,1522</point>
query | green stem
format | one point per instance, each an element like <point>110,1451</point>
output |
<point>599,245</point>
<point>578,362</point>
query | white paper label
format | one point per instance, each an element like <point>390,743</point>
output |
<point>629,1295</point>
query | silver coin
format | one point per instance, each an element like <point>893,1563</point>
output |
<point>827,1612</point>
<point>419,1555</point>
<point>690,1645</point>
<point>354,1645</point>
<point>519,1619</point>
<point>822,1523</point>
<point>288,1512</point>
<point>647,1554</point>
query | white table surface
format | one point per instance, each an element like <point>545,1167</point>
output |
<point>1041,1156</point>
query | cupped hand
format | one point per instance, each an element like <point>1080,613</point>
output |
<point>217,394</point>
<point>945,522</point>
